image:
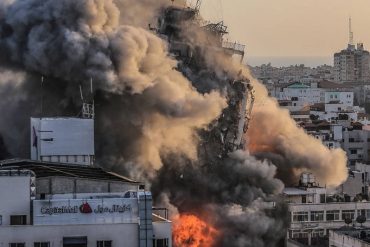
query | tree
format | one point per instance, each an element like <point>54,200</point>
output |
<point>343,117</point>
<point>348,221</point>
<point>361,219</point>
<point>314,117</point>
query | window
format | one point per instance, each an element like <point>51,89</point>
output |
<point>295,234</point>
<point>74,241</point>
<point>160,242</point>
<point>351,139</point>
<point>104,243</point>
<point>17,245</point>
<point>304,198</point>
<point>41,244</point>
<point>322,198</point>
<point>18,220</point>
<point>300,216</point>
<point>353,151</point>
<point>1,220</point>
<point>366,213</point>
<point>318,233</point>
<point>332,215</point>
<point>348,214</point>
<point>317,216</point>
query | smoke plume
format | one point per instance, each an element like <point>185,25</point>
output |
<point>77,40</point>
<point>160,117</point>
<point>274,135</point>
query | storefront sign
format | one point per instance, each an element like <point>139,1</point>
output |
<point>85,208</point>
<point>86,211</point>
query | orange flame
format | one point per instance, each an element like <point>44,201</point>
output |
<point>190,231</point>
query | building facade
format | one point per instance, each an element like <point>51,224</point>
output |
<point>60,199</point>
<point>356,143</point>
<point>315,210</point>
<point>352,64</point>
<point>72,205</point>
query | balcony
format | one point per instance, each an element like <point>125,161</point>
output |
<point>233,46</point>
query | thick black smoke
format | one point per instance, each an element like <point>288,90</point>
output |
<point>231,194</point>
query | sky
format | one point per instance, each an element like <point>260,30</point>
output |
<point>284,28</point>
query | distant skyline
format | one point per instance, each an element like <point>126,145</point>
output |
<point>292,28</point>
<point>276,61</point>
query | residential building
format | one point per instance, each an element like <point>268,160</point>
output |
<point>352,64</point>
<point>315,210</point>
<point>300,94</point>
<point>356,142</point>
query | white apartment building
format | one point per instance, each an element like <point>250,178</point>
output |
<point>61,200</point>
<point>302,95</point>
<point>345,98</point>
<point>315,210</point>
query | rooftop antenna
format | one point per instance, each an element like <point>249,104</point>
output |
<point>81,95</point>
<point>42,96</point>
<point>88,108</point>
<point>350,42</point>
<point>91,86</point>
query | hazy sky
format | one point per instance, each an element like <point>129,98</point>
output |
<point>292,27</point>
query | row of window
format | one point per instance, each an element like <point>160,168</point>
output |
<point>66,158</point>
<point>351,139</point>
<point>304,234</point>
<point>47,244</point>
<point>331,215</point>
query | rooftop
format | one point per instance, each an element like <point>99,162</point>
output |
<point>50,169</point>
<point>332,85</point>
<point>298,85</point>
<point>292,191</point>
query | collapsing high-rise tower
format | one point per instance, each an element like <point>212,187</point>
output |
<point>177,25</point>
